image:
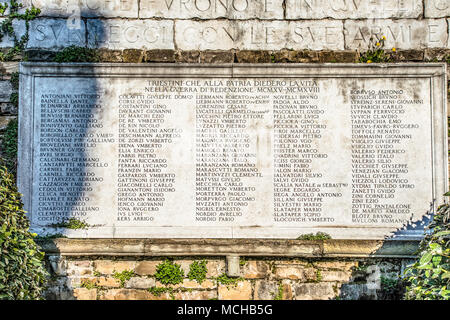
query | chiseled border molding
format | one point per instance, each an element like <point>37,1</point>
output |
<point>231,247</point>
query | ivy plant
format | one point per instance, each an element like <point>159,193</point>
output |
<point>429,277</point>
<point>22,272</point>
<point>7,27</point>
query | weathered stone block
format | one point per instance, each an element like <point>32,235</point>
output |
<point>215,268</point>
<point>4,120</point>
<point>85,8</point>
<point>256,269</point>
<point>79,268</point>
<point>145,268</point>
<point>6,90</point>
<point>437,8</point>
<point>40,55</point>
<point>101,282</point>
<point>401,34</point>
<point>259,35</point>
<point>436,54</point>
<point>241,291</point>
<point>303,56</point>
<point>8,109</point>
<point>250,56</point>
<point>314,291</point>
<point>192,284</point>
<point>217,57</point>
<point>130,34</point>
<point>109,266</point>
<point>335,265</point>
<point>58,265</point>
<point>195,295</point>
<point>133,55</point>
<point>19,30</point>
<point>55,34</point>
<point>192,56</point>
<point>408,55</point>
<point>130,294</point>
<point>9,67</point>
<point>357,291</point>
<point>295,273</point>
<point>338,56</point>
<point>210,9</point>
<point>333,275</point>
<point>140,283</point>
<point>106,55</point>
<point>266,290</point>
<point>85,294</point>
<point>159,56</point>
<point>364,9</point>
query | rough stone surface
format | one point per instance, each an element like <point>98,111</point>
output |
<point>130,294</point>
<point>133,55</point>
<point>314,291</point>
<point>109,266</point>
<point>110,55</point>
<point>146,267</point>
<point>4,120</point>
<point>196,295</point>
<point>85,294</point>
<point>295,272</point>
<point>250,56</point>
<point>160,56</point>
<point>266,290</point>
<point>241,291</point>
<point>217,57</point>
<point>255,269</point>
<point>140,283</point>
<point>6,90</point>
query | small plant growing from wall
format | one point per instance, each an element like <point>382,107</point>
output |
<point>376,52</point>
<point>169,272</point>
<point>197,271</point>
<point>7,27</point>
<point>9,146</point>
<point>22,273</point>
<point>76,54</point>
<point>429,277</point>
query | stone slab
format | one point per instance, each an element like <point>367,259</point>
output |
<point>85,8</point>
<point>56,34</point>
<point>19,29</point>
<point>400,34</point>
<point>259,35</point>
<point>212,9</point>
<point>343,9</point>
<point>233,151</point>
<point>225,247</point>
<point>437,8</point>
<point>130,34</point>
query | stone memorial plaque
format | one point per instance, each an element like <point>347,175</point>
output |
<point>233,151</point>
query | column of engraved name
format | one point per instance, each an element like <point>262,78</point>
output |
<point>298,130</point>
<point>144,177</point>
<point>68,172</point>
<point>226,171</point>
<point>380,131</point>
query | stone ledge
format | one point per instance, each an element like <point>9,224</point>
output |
<point>225,247</point>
